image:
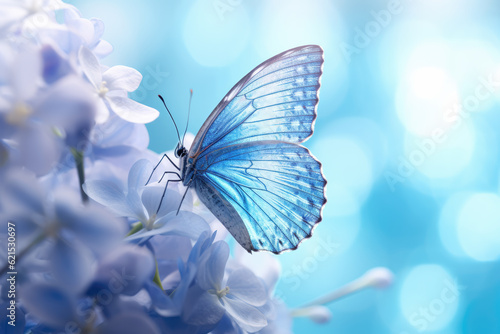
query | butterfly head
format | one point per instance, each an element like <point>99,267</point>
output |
<point>180,151</point>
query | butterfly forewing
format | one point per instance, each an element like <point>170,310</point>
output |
<point>246,158</point>
<point>276,101</point>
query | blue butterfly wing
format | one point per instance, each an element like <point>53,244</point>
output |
<point>276,101</point>
<point>248,167</point>
<point>277,189</point>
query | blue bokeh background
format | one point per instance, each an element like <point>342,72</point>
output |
<point>407,132</point>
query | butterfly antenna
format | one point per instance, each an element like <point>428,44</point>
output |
<point>189,113</point>
<point>176,129</point>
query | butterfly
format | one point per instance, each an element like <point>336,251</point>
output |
<point>246,163</point>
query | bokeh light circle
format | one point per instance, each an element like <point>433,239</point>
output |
<point>398,47</point>
<point>445,153</point>
<point>429,298</point>
<point>348,170</point>
<point>424,97</point>
<point>478,226</point>
<point>448,222</point>
<point>290,23</point>
<point>216,36</point>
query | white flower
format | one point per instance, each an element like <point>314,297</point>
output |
<point>29,16</point>
<point>111,88</point>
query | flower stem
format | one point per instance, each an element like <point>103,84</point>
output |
<point>377,278</point>
<point>156,278</point>
<point>136,228</point>
<point>79,158</point>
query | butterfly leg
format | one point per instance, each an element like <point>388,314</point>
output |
<point>158,164</point>
<point>165,189</point>
<point>165,173</point>
<point>183,196</point>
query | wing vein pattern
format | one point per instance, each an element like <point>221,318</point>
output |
<point>248,154</point>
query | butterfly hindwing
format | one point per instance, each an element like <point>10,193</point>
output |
<point>277,189</point>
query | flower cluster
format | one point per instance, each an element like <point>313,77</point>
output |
<point>98,249</point>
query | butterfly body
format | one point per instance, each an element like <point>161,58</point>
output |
<point>246,163</point>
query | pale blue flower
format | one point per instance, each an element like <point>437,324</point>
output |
<point>130,322</point>
<point>239,294</point>
<point>124,270</point>
<point>111,88</point>
<point>142,203</point>
<point>167,306</point>
<point>110,150</point>
<point>67,235</point>
<point>39,120</point>
<point>279,321</point>
<point>56,64</point>
<point>50,305</point>
<point>76,32</point>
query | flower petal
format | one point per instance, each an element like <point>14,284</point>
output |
<point>132,111</point>
<point>90,66</point>
<point>124,271</point>
<point>55,66</point>
<point>128,323</point>
<point>122,78</point>
<point>71,264</point>
<point>160,301</point>
<point>103,48</point>
<point>249,318</point>
<point>109,195</point>
<point>151,198</point>
<point>185,224</point>
<point>102,112</point>
<point>118,132</point>
<point>201,308</point>
<point>69,106</point>
<point>39,149</point>
<point>134,202</point>
<point>139,174</point>
<point>263,265</point>
<point>21,191</point>
<point>49,304</point>
<point>28,68</point>
<point>244,285</point>
<point>212,266</point>
<point>91,224</point>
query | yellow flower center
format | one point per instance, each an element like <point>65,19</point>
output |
<point>149,224</point>
<point>19,114</point>
<point>223,292</point>
<point>103,90</point>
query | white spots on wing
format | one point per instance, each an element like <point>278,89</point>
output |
<point>296,124</point>
<point>298,108</point>
<point>299,81</point>
<point>312,80</point>
<point>300,69</point>
<point>298,94</point>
